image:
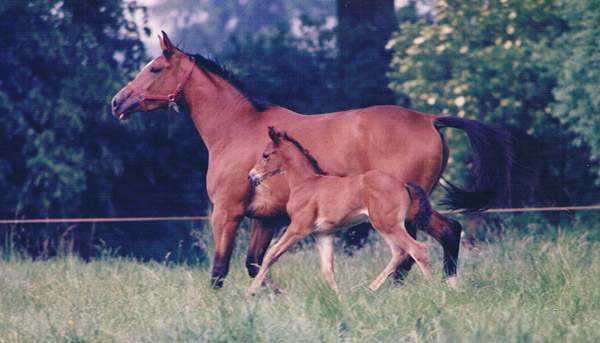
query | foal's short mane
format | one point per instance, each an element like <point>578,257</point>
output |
<point>308,156</point>
<point>220,70</point>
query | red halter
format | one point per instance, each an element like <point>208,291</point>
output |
<point>170,98</point>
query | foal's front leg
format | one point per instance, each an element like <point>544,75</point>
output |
<point>289,238</point>
<point>325,247</point>
<point>261,233</point>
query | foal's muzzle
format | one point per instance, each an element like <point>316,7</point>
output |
<point>254,178</point>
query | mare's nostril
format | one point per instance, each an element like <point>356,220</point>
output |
<point>114,103</point>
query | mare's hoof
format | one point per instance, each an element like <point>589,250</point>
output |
<point>216,283</point>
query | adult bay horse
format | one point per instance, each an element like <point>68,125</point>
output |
<point>321,204</point>
<point>405,144</point>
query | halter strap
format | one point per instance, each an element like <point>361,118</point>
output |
<point>170,98</point>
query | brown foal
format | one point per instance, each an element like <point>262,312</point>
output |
<point>322,204</point>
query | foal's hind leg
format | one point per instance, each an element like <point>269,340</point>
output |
<point>416,249</point>
<point>399,240</point>
<point>407,262</point>
<point>397,257</point>
<point>447,232</point>
<point>289,238</point>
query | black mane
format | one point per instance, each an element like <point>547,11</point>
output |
<point>221,71</point>
<point>308,156</point>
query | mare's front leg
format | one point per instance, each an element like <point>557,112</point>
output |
<point>224,224</point>
<point>325,247</point>
<point>292,235</point>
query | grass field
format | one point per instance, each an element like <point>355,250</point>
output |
<point>521,289</point>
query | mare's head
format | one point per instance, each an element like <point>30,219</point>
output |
<point>158,85</point>
<point>282,152</point>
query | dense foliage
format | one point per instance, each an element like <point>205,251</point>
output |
<point>62,153</point>
<point>58,72</point>
<point>500,62</point>
<point>574,57</point>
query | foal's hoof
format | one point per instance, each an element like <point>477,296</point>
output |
<point>280,291</point>
<point>451,281</point>
<point>276,289</point>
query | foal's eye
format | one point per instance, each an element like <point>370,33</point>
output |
<point>155,70</point>
<point>265,156</point>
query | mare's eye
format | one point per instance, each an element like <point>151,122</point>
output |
<point>155,70</point>
<point>265,156</point>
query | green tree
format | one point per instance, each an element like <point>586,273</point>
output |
<point>62,154</point>
<point>575,60</point>
<point>57,77</point>
<point>477,59</point>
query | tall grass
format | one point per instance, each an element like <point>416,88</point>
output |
<point>519,289</point>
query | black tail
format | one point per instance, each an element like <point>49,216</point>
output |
<point>492,161</point>
<point>423,216</point>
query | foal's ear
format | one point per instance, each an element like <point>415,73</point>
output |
<point>166,45</point>
<point>274,135</point>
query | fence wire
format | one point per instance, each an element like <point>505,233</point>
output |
<point>197,218</point>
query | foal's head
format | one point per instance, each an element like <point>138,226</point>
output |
<point>280,153</point>
<point>271,162</point>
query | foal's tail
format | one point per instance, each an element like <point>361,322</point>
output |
<point>492,161</point>
<point>423,215</point>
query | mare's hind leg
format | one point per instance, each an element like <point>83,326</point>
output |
<point>261,233</point>
<point>447,232</point>
<point>289,238</point>
<point>325,247</point>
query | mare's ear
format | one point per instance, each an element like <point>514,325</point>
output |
<point>166,45</point>
<point>274,135</point>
